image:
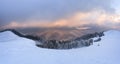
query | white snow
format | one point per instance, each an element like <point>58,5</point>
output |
<point>17,50</point>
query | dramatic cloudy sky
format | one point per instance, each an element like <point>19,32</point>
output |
<point>37,13</point>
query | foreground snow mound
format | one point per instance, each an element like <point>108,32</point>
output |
<point>16,50</point>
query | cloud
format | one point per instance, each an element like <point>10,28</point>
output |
<point>52,13</point>
<point>48,10</point>
<point>100,18</point>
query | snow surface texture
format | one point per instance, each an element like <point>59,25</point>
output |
<point>17,50</point>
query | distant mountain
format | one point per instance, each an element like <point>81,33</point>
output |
<point>85,40</point>
<point>82,41</point>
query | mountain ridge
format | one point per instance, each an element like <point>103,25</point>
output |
<point>85,40</point>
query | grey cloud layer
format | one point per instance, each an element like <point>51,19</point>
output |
<point>21,10</point>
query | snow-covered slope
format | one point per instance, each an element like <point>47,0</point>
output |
<point>17,50</point>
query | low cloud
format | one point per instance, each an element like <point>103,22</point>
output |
<point>57,13</point>
<point>99,18</point>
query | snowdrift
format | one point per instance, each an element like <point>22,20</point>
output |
<point>17,50</point>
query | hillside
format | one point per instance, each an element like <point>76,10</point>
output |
<point>17,50</point>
